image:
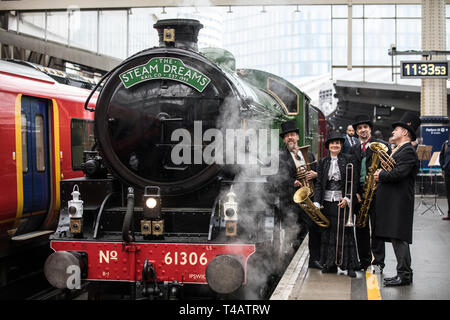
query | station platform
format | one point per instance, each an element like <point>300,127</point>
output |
<point>430,255</point>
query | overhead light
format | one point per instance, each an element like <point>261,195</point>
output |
<point>263,9</point>
<point>163,10</point>
<point>229,10</point>
<point>297,10</point>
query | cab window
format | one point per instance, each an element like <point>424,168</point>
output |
<point>82,139</point>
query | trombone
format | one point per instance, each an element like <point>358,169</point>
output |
<point>349,222</point>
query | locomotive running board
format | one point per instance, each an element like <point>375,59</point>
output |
<point>31,235</point>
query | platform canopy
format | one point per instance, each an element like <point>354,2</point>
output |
<point>374,99</point>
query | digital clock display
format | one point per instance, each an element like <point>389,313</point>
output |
<point>424,69</point>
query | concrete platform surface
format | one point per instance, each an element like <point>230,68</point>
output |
<point>430,254</point>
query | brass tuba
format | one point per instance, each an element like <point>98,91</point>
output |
<point>380,155</point>
<point>301,197</point>
<point>301,170</point>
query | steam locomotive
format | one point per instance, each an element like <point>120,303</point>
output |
<point>175,197</point>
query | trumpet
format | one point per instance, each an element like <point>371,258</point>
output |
<point>349,222</point>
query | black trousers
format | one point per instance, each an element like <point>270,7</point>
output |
<point>403,255</point>
<point>313,240</point>
<point>367,243</point>
<point>447,188</point>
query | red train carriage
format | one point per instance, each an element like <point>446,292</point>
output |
<point>44,131</point>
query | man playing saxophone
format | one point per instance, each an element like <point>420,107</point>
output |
<point>368,245</point>
<point>395,198</point>
<point>290,159</point>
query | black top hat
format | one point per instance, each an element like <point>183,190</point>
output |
<point>360,119</point>
<point>333,137</point>
<point>410,122</point>
<point>288,126</point>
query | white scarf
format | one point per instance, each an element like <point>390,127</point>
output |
<point>334,173</point>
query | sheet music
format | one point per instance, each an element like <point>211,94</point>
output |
<point>434,161</point>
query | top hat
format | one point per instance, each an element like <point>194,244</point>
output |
<point>410,122</point>
<point>288,126</point>
<point>333,137</point>
<point>360,119</point>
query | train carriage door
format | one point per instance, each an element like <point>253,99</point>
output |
<point>35,163</point>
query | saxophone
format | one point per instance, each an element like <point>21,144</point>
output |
<point>387,163</point>
<point>301,196</point>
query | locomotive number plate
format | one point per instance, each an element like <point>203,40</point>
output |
<point>185,263</point>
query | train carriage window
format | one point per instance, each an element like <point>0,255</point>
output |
<point>39,142</point>
<point>82,139</point>
<point>24,143</point>
<point>286,96</point>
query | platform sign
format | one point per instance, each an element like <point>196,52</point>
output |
<point>433,136</point>
<point>423,69</point>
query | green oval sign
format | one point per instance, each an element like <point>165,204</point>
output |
<point>165,68</point>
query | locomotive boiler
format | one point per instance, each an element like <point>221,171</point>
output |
<point>175,196</point>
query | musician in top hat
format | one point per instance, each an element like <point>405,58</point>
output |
<point>338,247</point>
<point>291,213</point>
<point>395,198</point>
<point>368,245</point>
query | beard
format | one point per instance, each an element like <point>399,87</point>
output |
<point>291,146</point>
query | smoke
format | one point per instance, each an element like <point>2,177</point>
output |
<point>255,197</point>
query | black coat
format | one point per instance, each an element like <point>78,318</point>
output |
<point>324,167</point>
<point>357,152</point>
<point>284,184</point>
<point>346,148</point>
<point>395,196</point>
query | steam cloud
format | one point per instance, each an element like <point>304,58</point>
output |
<point>254,198</point>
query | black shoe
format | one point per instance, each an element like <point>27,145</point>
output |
<point>397,281</point>
<point>389,279</point>
<point>351,273</point>
<point>408,277</point>
<point>315,265</point>
<point>363,267</point>
<point>331,269</point>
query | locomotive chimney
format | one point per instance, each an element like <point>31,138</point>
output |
<point>178,33</point>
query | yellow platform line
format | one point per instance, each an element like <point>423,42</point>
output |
<point>373,289</point>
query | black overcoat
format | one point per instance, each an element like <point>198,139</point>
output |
<point>287,172</point>
<point>324,167</point>
<point>395,196</point>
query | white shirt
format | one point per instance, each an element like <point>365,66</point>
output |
<point>298,162</point>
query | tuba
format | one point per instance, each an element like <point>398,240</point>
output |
<point>301,197</point>
<point>380,156</point>
<point>301,170</point>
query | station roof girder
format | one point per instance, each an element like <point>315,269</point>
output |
<point>30,5</point>
<point>60,51</point>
